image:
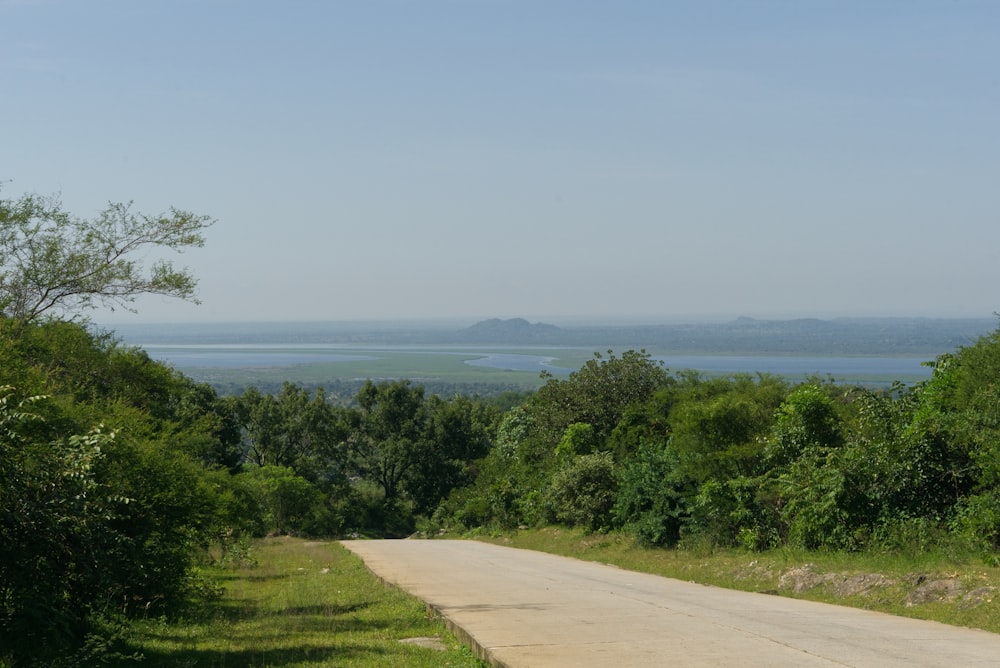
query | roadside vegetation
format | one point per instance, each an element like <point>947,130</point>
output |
<point>125,485</point>
<point>932,584</point>
<point>294,602</point>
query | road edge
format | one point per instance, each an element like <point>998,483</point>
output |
<point>482,652</point>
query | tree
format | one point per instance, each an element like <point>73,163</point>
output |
<point>291,429</point>
<point>599,393</point>
<point>718,426</point>
<point>392,430</point>
<point>456,435</point>
<point>51,261</point>
<point>93,525</point>
<point>807,419</point>
<point>651,501</point>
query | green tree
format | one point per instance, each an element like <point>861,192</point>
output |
<point>392,429</point>
<point>288,500</point>
<point>292,429</point>
<point>46,536</point>
<point>719,426</point>
<point>807,419</point>
<point>51,261</point>
<point>504,484</point>
<point>578,439</point>
<point>456,436</point>
<point>651,502</point>
<point>599,393</point>
<point>93,526</point>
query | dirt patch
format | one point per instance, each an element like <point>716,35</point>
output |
<point>428,642</point>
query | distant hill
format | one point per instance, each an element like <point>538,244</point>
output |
<point>512,331</point>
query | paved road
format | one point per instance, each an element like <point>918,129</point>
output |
<point>522,608</point>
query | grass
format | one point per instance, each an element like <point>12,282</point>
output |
<point>306,604</point>
<point>931,585</point>
<point>313,604</point>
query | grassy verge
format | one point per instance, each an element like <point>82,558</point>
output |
<point>924,585</point>
<point>304,604</point>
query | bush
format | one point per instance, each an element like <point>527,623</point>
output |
<point>651,503</point>
<point>583,492</point>
<point>979,515</point>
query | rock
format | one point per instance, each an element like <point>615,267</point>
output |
<point>977,597</point>
<point>944,589</point>
<point>803,579</point>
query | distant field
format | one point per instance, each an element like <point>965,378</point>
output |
<point>340,357</point>
<point>427,367</point>
<point>447,370</point>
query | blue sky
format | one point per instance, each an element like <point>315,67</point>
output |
<point>648,161</point>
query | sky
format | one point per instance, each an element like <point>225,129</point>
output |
<point>645,161</point>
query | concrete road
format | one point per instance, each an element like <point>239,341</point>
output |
<point>523,608</point>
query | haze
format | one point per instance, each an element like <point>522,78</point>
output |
<point>557,159</point>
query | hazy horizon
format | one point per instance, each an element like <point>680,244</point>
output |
<point>573,321</point>
<point>392,160</point>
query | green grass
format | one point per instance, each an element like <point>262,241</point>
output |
<point>932,585</point>
<point>307,604</point>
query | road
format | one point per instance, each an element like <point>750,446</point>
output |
<point>519,608</point>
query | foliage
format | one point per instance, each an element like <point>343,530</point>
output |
<point>51,261</point>
<point>600,392</point>
<point>651,503</point>
<point>291,429</point>
<point>51,517</point>
<point>582,493</point>
<point>129,463</point>
<point>303,603</point>
<point>719,426</point>
<point>457,436</point>
<point>288,500</point>
<point>806,419</point>
<point>578,439</point>
<point>103,510</point>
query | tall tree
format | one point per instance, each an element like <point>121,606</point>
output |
<point>392,430</point>
<point>51,261</point>
<point>456,435</point>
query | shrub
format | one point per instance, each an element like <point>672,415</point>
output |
<point>583,492</point>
